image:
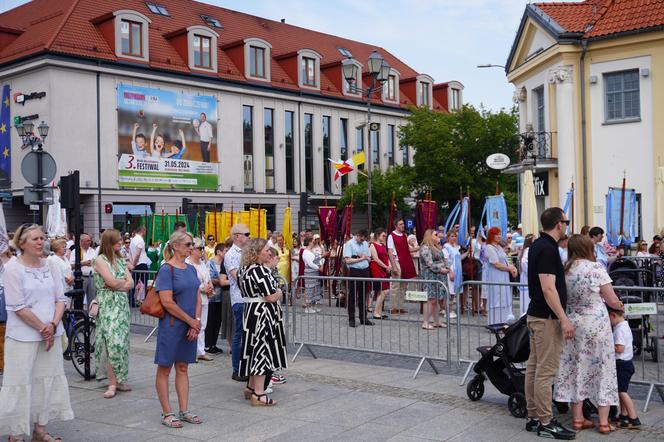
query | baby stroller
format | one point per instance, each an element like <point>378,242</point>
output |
<point>497,363</point>
<point>626,273</point>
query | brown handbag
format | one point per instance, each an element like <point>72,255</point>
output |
<point>152,305</point>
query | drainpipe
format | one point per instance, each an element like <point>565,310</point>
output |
<point>98,156</point>
<point>299,159</point>
<point>584,143</point>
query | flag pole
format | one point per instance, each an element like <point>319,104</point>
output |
<point>572,208</point>
<point>622,205</point>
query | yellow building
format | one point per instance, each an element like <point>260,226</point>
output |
<point>589,86</point>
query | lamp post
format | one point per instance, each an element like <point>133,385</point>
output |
<point>489,65</point>
<point>25,130</point>
<point>379,69</point>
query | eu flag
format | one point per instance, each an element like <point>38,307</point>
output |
<point>5,141</point>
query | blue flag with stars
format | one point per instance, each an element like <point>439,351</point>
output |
<point>5,141</point>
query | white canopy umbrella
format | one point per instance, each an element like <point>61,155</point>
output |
<point>659,199</point>
<point>529,217</point>
<point>4,237</point>
<point>56,217</point>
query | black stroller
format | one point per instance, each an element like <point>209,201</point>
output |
<point>497,363</point>
<point>626,273</point>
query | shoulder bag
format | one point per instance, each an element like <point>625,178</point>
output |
<point>152,305</point>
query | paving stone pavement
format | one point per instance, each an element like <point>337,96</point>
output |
<point>346,396</point>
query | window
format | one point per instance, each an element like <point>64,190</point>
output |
<point>423,93</point>
<point>375,148</point>
<point>248,146</point>
<point>309,152</point>
<point>390,145</point>
<point>211,21</point>
<point>390,88</point>
<point>406,155</point>
<point>345,52</point>
<point>256,62</point>
<point>289,145</point>
<point>131,33</point>
<point>343,146</point>
<point>327,165</point>
<point>359,143</point>
<point>308,71</point>
<point>622,100</point>
<point>456,99</point>
<point>539,118</point>
<point>202,52</point>
<point>268,121</point>
<point>158,9</point>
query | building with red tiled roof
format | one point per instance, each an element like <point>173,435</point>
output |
<point>589,96</point>
<point>276,101</point>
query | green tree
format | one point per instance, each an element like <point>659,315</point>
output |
<point>397,181</point>
<point>451,151</point>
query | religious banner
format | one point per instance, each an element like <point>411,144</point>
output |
<point>327,220</point>
<point>426,217</point>
<point>494,214</point>
<point>621,216</point>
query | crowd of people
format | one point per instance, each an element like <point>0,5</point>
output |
<point>234,289</point>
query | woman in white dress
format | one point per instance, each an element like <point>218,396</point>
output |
<point>196,259</point>
<point>34,387</point>
<point>587,365</point>
<point>59,264</point>
<point>496,269</point>
<point>523,276</point>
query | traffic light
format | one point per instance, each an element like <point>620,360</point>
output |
<point>185,205</point>
<point>304,203</point>
<point>128,219</point>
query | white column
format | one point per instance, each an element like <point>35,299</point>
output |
<point>565,110</point>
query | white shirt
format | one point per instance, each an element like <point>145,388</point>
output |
<point>138,153</point>
<point>203,273</point>
<point>390,245</point>
<point>137,245</point>
<point>36,289</point>
<point>60,268</point>
<point>205,131</point>
<point>622,335</point>
<point>232,262</point>
<point>88,255</point>
<point>309,259</point>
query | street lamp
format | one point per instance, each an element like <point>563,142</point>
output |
<point>379,69</point>
<point>489,65</point>
<point>25,130</point>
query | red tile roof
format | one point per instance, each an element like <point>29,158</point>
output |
<point>596,18</point>
<point>66,27</point>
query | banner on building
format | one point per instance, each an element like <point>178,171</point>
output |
<point>5,141</point>
<point>166,139</point>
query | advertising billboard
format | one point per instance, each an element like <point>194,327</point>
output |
<point>166,139</point>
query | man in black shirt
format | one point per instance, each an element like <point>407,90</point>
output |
<point>547,323</point>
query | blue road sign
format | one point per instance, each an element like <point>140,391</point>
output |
<point>410,224</point>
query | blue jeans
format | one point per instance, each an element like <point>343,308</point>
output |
<point>238,310</point>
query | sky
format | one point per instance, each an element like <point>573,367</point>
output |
<point>446,39</point>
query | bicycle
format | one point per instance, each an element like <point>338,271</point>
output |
<point>74,322</point>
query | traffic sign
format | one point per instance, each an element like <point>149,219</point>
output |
<point>36,195</point>
<point>410,224</point>
<point>30,168</point>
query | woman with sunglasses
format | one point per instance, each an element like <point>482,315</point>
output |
<point>178,287</point>
<point>642,250</point>
<point>34,387</point>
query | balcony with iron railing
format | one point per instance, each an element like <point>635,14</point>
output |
<point>535,152</point>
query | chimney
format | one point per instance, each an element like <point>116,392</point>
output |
<point>283,20</point>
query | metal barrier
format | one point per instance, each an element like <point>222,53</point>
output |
<point>326,323</point>
<point>644,308</point>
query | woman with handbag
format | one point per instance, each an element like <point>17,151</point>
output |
<point>34,386</point>
<point>112,281</point>
<point>178,287</point>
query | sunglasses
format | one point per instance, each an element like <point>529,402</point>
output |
<point>247,234</point>
<point>565,221</point>
<point>188,244</point>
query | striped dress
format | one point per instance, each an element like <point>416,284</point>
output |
<point>263,337</point>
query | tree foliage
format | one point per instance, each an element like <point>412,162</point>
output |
<point>397,181</point>
<point>451,151</point>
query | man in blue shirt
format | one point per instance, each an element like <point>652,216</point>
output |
<point>357,257</point>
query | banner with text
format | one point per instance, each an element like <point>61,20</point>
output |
<point>166,139</point>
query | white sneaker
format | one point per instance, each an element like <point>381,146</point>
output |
<point>317,310</point>
<point>309,310</point>
<point>453,315</point>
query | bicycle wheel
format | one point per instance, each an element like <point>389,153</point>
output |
<point>77,346</point>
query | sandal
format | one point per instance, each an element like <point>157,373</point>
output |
<point>440,326</point>
<point>173,422</point>
<point>110,392</point>
<point>606,428</point>
<point>190,418</point>
<point>257,402</point>
<point>123,388</point>
<point>44,437</point>
<point>248,391</point>
<point>428,327</point>
<point>15,439</point>
<point>582,424</point>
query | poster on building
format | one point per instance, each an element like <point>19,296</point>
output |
<point>166,139</point>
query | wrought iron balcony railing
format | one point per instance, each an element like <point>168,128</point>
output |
<point>535,146</point>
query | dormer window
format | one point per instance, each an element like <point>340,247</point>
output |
<point>391,87</point>
<point>455,103</point>
<point>131,36</point>
<point>202,51</point>
<point>257,59</point>
<point>424,90</point>
<point>308,71</point>
<point>309,68</point>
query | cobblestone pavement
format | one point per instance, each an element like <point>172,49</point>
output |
<point>343,396</point>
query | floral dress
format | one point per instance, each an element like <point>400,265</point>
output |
<point>587,365</point>
<point>433,261</point>
<point>112,341</point>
